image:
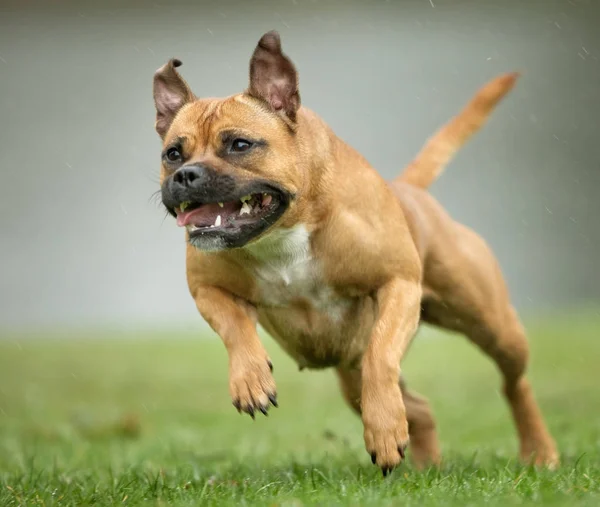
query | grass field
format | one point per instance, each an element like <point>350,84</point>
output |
<point>147,420</point>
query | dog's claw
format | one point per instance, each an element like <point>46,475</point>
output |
<point>251,384</point>
<point>401,450</point>
<point>270,366</point>
<point>273,400</point>
<point>388,468</point>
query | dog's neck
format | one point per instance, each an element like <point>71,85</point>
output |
<point>283,245</point>
<point>283,265</point>
<point>325,161</point>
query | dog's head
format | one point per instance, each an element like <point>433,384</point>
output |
<point>230,166</point>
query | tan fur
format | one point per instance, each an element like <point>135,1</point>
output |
<point>343,278</point>
<point>443,145</point>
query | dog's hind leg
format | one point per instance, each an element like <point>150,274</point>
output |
<point>350,384</point>
<point>466,293</point>
<point>503,339</point>
<point>424,445</point>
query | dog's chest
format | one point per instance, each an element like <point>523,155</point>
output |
<point>286,272</point>
<point>295,304</point>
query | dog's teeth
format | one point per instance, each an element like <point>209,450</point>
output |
<point>191,227</point>
<point>221,204</point>
<point>266,200</point>
<point>246,198</point>
<point>218,221</point>
<point>245,209</point>
<point>184,205</point>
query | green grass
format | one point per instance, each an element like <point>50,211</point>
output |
<point>148,420</point>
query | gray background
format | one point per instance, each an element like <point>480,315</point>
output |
<point>82,244</point>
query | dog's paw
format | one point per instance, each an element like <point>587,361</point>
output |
<point>251,384</point>
<point>385,428</point>
<point>545,457</point>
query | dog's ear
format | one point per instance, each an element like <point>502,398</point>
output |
<point>171,93</point>
<point>273,77</point>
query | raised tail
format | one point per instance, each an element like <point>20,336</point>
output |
<point>441,147</point>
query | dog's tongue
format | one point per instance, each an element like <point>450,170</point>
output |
<point>205,215</point>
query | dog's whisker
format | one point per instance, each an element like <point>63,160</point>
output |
<point>155,197</point>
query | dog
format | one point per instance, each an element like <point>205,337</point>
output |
<point>289,227</point>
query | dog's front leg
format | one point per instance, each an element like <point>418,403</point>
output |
<point>383,412</point>
<point>251,382</point>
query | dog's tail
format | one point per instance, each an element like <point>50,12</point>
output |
<point>442,146</point>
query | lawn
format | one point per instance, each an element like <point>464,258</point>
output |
<point>147,420</point>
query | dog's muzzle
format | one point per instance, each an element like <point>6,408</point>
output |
<point>219,210</point>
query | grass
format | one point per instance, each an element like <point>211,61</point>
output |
<point>148,421</point>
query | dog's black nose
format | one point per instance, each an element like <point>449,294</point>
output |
<point>191,176</point>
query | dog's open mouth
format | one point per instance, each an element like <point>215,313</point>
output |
<point>233,221</point>
<point>247,210</point>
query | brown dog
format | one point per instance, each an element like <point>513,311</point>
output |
<point>291,228</point>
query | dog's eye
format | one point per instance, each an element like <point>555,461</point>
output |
<point>173,155</point>
<point>240,146</point>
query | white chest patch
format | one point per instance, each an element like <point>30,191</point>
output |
<point>287,272</point>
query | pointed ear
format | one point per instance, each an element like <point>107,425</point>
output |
<point>171,93</point>
<point>273,77</point>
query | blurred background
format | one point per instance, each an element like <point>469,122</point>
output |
<point>83,245</point>
<point>85,252</point>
